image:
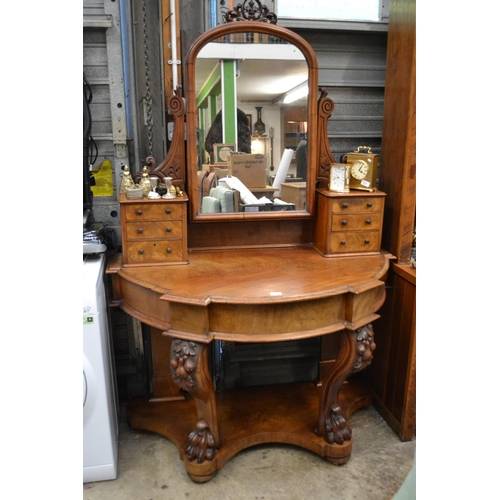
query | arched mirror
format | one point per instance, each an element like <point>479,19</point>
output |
<point>251,92</point>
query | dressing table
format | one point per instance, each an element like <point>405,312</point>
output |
<point>317,271</point>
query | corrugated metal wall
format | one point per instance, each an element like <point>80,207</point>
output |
<point>352,70</point>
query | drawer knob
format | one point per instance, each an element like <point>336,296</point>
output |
<point>141,251</point>
<point>367,241</point>
<point>345,205</point>
<point>140,230</point>
<point>344,222</point>
<point>169,250</point>
<point>369,204</point>
<point>342,242</point>
<point>169,229</point>
<point>138,212</point>
<point>368,221</point>
<point>167,210</point>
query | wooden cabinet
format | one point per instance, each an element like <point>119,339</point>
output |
<point>154,231</point>
<point>392,377</point>
<point>348,222</point>
<point>294,192</point>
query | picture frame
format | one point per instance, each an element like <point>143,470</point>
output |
<point>222,152</point>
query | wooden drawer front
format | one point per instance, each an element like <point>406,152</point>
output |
<point>345,205</point>
<point>357,222</point>
<point>356,241</point>
<point>147,211</point>
<point>154,251</point>
<point>170,229</point>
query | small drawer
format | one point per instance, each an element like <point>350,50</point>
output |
<point>344,205</point>
<point>152,210</point>
<point>358,222</point>
<point>357,241</point>
<point>147,252</point>
<point>171,229</point>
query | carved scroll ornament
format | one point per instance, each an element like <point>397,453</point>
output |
<point>251,10</point>
<point>201,443</point>
<point>183,363</point>
<point>174,163</point>
<point>326,158</point>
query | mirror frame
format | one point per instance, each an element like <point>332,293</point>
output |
<point>192,118</point>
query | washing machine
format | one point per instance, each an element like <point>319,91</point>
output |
<point>100,396</point>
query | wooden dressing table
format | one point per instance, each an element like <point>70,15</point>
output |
<point>230,295</point>
<point>271,277</point>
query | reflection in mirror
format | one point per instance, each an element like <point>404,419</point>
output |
<point>251,102</point>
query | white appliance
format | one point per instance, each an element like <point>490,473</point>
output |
<point>100,398</point>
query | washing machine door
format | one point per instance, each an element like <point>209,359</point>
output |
<point>89,390</point>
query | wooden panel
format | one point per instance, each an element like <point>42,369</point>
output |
<point>362,241</point>
<point>154,230</point>
<point>357,204</point>
<point>250,233</point>
<point>356,222</point>
<point>398,172</point>
<point>400,397</point>
<point>392,374</point>
<point>154,251</point>
<point>279,318</point>
<point>134,298</point>
<point>147,210</point>
<point>168,69</point>
<point>163,385</point>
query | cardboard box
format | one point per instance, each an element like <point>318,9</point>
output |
<point>250,169</point>
<point>294,192</point>
<point>221,172</point>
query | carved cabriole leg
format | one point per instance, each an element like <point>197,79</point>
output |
<point>189,367</point>
<point>356,348</point>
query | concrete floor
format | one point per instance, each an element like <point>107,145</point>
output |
<point>149,468</point>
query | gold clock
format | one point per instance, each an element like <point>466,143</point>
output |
<point>363,165</point>
<point>339,178</point>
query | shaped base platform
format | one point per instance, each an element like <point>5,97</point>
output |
<point>247,417</point>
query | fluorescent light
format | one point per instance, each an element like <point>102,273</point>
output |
<point>296,94</point>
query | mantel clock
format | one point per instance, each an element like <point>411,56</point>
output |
<point>363,174</point>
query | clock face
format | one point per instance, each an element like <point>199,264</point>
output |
<point>359,169</point>
<point>224,153</point>
<point>339,179</point>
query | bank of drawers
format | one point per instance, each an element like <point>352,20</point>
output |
<point>154,231</point>
<point>349,223</point>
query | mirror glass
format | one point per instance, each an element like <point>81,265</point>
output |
<point>251,107</point>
